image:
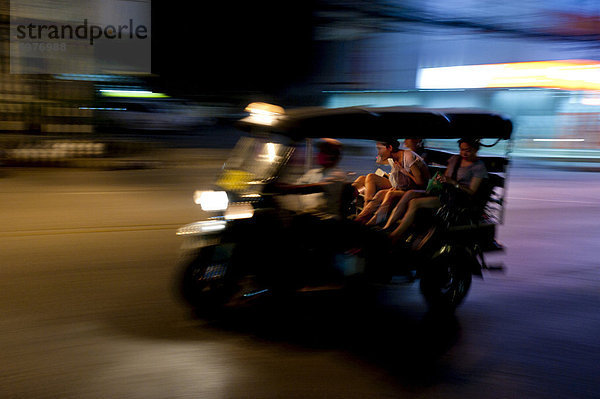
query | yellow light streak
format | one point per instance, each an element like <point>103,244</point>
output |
<point>564,74</point>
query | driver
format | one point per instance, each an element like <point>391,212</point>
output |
<point>317,228</point>
<point>324,184</point>
<point>319,190</point>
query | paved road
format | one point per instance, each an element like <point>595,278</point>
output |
<point>87,309</point>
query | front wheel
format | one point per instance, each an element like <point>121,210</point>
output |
<point>203,283</point>
<point>446,282</point>
<point>216,280</point>
<point>208,281</point>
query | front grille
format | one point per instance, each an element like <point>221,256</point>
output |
<point>214,272</point>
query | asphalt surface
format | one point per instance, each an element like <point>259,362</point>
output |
<point>88,311</point>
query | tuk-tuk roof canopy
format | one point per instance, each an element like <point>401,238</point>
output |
<point>383,123</point>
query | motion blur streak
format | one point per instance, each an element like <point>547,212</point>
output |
<point>568,75</point>
<point>98,167</point>
<point>94,315</point>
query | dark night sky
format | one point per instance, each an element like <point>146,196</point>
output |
<point>202,47</point>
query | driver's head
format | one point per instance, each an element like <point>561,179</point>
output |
<point>330,152</point>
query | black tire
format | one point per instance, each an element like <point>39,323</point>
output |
<point>446,282</point>
<point>205,282</point>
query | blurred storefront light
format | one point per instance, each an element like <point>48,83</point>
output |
<point>561,140</point>
<point>96,78</point>
<point>564,74</point>
<point>590,101</point>
<point>102,109</point>
<point>132,93</point>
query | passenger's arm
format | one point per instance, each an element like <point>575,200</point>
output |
<point>415,172</point>
<point>449,168</point>
<point>474,186</point>
<point>471,189</point>
<point>416,175</point>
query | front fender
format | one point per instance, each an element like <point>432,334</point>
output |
<point>202,234</point>
<point>263,231</point>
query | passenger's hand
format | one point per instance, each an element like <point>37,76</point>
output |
<point>449,180</point>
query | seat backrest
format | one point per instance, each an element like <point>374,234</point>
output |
<point>482,196</point>
<point>485,194</point>
<point>459,209</point>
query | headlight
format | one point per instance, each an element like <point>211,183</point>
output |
<point>211,200</point>
<point>210,226</point>
<point>239,211</point>
<point>264,113</point>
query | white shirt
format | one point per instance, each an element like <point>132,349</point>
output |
<point>328,201</point>
<point>399,179</point>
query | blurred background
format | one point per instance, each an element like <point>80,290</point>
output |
<point>98,165</point>
<point>210,60</point>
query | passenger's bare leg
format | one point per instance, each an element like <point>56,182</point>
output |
<point>409,218</point>
<point>391,197</point>
<point>373,183</point>
<point>400,209</point>
<point>371,207</point>
<point>359,183</point>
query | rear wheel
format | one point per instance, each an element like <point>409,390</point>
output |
<point>446,282</point>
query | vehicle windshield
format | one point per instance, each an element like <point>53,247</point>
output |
<point>254,160</point>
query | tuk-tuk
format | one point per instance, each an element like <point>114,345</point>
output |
<point>257,245</point>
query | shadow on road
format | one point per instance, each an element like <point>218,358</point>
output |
<point>401,340</point>
<point>406,342</point>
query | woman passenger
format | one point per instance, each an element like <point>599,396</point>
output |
<point>417,146</point>
<point>464,171</point>
<point>408,172</point>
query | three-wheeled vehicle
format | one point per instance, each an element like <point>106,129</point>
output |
<point>259,243</point>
